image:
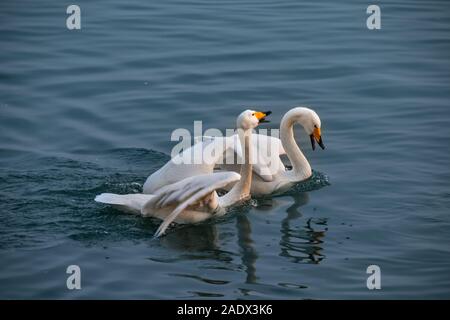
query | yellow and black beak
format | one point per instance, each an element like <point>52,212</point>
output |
<point>316,136</point>
<point>261,116</point>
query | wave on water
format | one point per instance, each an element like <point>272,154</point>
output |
<point>317,181</point>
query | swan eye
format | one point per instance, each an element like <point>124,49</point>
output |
<point>253,114</point>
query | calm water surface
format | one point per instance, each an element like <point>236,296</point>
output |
<point>91,111</point>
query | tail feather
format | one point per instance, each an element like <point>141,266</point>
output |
<point>126,202</point>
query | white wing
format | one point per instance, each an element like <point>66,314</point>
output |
<point>185,193</point>
<point>266,156</point>
<point>199,159</point>
<point>132,203</point>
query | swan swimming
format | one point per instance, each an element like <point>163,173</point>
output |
<point>276,178</point>
<point>194,198</point>
<point>270,174</point>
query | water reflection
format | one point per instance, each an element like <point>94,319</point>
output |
<point>201,237</point>
<point>197,243</point>
<point>248,251</point>
<point>301,240</point>
<point>301,244</point>
<point>300,199</point>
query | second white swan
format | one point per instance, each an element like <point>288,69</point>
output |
<point>276,178</point>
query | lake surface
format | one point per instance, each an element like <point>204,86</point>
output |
<point>92,110</point>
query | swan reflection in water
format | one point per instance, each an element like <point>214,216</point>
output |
<point>302,245</point>
<point>202,237</point>
<point>299,242</point>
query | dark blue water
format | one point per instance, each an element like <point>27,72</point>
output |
<point>91,111</point>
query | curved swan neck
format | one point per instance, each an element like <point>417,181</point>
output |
<point>241,190</point>
<point>300,165</point>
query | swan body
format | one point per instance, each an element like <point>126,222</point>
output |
<point>194,198</point>
<point>223,150</point>
<point>176,170</point>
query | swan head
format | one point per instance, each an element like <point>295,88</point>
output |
<point>250,119</point>
<point>311,123</point>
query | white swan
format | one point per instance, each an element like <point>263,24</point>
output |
<point>275,178</point>
<point>205,155</point>
<point>194,198</point>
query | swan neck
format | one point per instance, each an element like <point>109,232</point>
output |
<point>301,168</point>
<point>246,168</point>
<point>241,190</point>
